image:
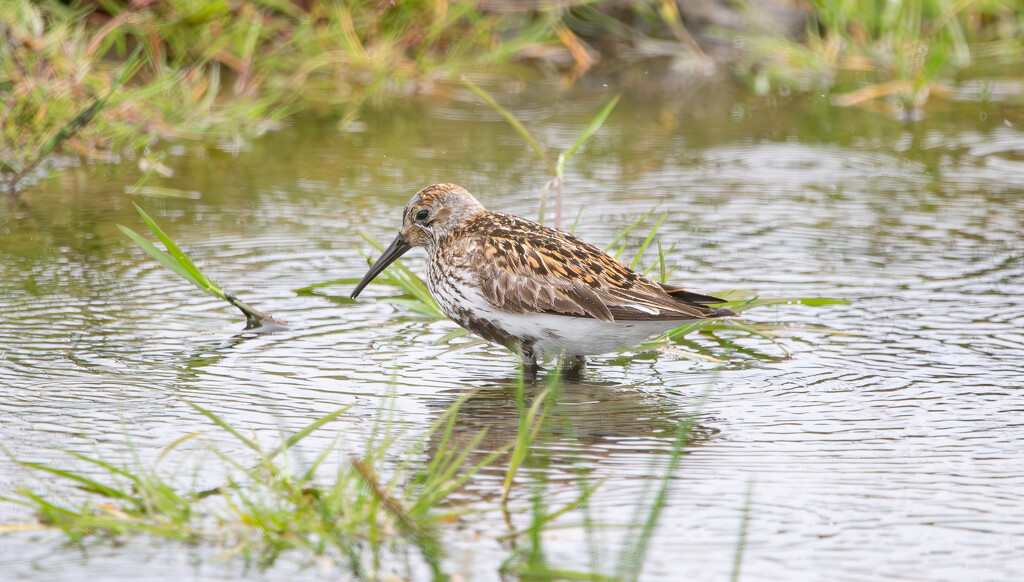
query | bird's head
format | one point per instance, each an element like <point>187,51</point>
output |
<point>430,215</point>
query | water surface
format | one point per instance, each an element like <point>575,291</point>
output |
<point>881,439</point>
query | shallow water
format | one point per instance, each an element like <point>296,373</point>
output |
<point>880,439</point>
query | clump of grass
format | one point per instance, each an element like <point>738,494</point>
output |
<point>58,62</point>
<point>268,507</point>
<point>393,497</point>
<point>176,260</point>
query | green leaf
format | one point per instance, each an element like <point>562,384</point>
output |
<point>419,298</point>
<point>415,305</point>
<point>661,261</point>
<point>766,301</point>
<point>453,334</point>
<point>625,232</point>
<point>85,483</point>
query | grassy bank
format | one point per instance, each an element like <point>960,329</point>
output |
<point>232,70</point>
<point>218,69</point>
<point>895,55</point>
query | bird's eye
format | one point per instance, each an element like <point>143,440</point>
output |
<point>422,215</point>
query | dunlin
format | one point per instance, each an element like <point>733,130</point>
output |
<point>536,290</point>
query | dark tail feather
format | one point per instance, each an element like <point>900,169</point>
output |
<point>684,295</point>
<point>699,299</point>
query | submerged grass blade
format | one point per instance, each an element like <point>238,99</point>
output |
<point>631,560</point>
<point>741,543</point>
<point>530,423</point>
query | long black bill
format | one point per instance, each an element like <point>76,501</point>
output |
<point>397,248</point>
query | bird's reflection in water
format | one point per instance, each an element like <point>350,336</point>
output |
<point>589,429</point>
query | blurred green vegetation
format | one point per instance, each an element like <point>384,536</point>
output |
<point>232,69</point>
<point>216,69</point>
<point>895,53</point>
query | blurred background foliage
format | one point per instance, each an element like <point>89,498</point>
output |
<point>233,69</point>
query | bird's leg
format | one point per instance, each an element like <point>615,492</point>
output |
<point>574,367</point>
<point>530,366</point>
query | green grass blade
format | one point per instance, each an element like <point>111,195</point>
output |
<point>453,334</point>
<point>178,255</point>
<point>741,544</point>
<point>632,559</point>
<point>224,425</point>
<point>572,229</point>
<point>661,262</point>
<point>165,259</point>
<point>647,241</point>
<point>511,119</point>
<point>585,494</point>
<point>530,422</point>
<point>295,438</point>
<point>398,275</point>
<point>595,124</point>
<point>85,483</point>
<point>415,305</point>
<point>176,260</point>
<point>744,305</point>
<point>625,232</point>
<point>111,468</point>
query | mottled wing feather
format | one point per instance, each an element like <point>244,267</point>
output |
<point>528,268</point>
<point>510,290</point>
